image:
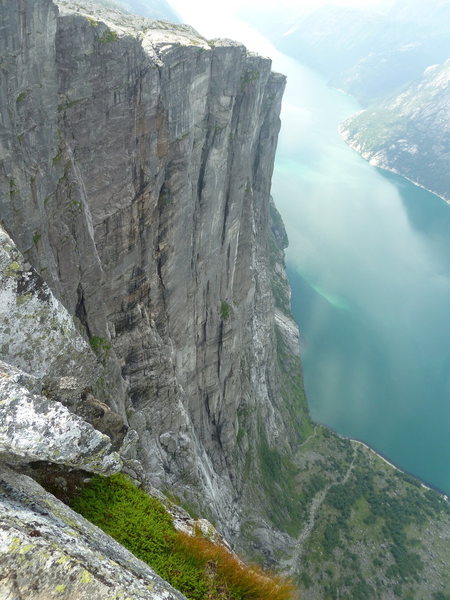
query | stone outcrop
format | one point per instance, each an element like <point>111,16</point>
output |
<point>34,428</point>
<point>43,354</point>
<point>37,334</point>
<point>48,551</point>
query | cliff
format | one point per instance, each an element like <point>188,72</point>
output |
<point>135,177</point>
<point>145,322</point>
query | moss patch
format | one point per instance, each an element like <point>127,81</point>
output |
<point>99,345</point>
<point>21,97</point>
<point>108,37</point>
<point>225,310</point>
<point>13,270</point>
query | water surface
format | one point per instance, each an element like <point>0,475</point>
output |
<point>369,264</point>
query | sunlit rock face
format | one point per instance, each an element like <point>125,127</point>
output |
<point>136,160</point>
<point>45,367</point>
<point>48,371</point>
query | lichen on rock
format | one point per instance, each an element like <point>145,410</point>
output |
<point>47,551</point>
<point>34,428</point>
<point>37,334</point>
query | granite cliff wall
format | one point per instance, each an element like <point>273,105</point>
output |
<point>135,168</point>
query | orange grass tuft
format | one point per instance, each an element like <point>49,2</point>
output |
<point>238,580</point>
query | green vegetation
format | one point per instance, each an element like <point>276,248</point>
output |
<point>392,511</point>
<point>288,503</point>
<point>249,76</point>
<point>36,238</point>
<point>23,299</point>
<point>12,188</point>
<point>280,291</point>
<point>21,97</point>
<point>100,346</point>
<point>13,270</point>
<point>198,568</point>
<point>57,157</point>
<point>292,391</point>
<point>225,310</point>
<point>108,36</point>
<point>369,534</point>
<point>65,106</point>
<point>278,481</point>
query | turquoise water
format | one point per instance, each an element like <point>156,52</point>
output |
<point>369,265</point>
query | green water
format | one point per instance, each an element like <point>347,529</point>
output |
<point>369,265</point>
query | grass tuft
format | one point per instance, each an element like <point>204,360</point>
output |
<point>241,580</point>
<point>198,568</point>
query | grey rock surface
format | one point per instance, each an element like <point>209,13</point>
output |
<point>34,428</point>
<point>37,334</point>
<point>48,551</point>
<point>135,167</point>
<point>39,337</point>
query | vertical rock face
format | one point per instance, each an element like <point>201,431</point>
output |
<point>135,166</point>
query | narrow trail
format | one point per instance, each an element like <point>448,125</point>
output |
<point>315,505</point>
<point>310,436</point>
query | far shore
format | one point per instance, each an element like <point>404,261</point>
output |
<point>368,156</point>
<point>423,483</point>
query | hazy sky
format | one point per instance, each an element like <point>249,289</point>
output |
<point>186,8</point>
<point>219,19</point>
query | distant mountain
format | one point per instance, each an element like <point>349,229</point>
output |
<point>154,9</point>
<point>410,133</point>
<point>395,62</point>
<point>429,12</point>
<point>370,54</point>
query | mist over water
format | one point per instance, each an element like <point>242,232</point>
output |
<point>369,264</point>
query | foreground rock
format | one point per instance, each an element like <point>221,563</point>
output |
<point>48,551</point>
<point>34,428</point>
<point>37,334</point>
